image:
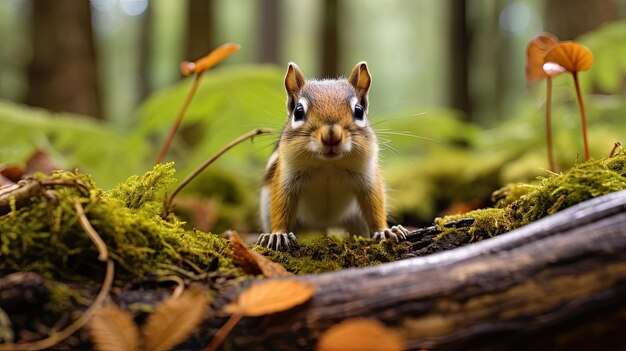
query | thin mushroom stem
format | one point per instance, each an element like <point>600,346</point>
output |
<point>179,118</point>
<point>549,123</point>
<point>583,116</point>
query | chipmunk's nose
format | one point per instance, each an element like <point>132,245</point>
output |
<point>332,135</point>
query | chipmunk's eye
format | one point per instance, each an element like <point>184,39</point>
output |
<point>298,113</point>
<point>358,112</point>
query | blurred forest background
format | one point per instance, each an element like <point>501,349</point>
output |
<point>96,84</point>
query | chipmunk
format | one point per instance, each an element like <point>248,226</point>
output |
<point>324,172</point>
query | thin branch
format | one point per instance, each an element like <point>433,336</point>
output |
<point>20,192</point>
<point>91,233</point>
<point>249,135</point>
<point>180,284</point>
<point>616,146</point>
<point>221,334</point>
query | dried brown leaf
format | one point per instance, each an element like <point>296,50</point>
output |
<point>360,334</point>
<point>13,173</point>
<point>174,320</point>
<point>271,297</point>
<point>242,256</point>
<point>114,329</point>
<point>252,262</point>
<point>270,269</point>
<point>40,162</point>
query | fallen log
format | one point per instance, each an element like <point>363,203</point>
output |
<point>557,283</point>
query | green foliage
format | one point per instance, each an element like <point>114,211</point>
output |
<point>72,141</point>
<point>228,102</point>
<point>608,45</point>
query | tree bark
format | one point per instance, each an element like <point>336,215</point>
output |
<point>331,51</point>
<point>568,19</point>
<point>200,29</point>
<point>459,57</point>
<point>145,53</point>
<point>269,20</point>
<point>62,74</point>
<point>559,283</point>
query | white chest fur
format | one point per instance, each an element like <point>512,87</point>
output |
<point>326,198</point>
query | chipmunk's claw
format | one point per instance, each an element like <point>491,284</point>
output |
<point>395,233</point>
<point>278,241</point>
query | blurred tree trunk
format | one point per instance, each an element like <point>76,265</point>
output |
<point>567,19</point>
<point>270,31</point>
<point>460,42</point>
<point>62,74</point>
<point>331,54</point>
<point>200,29</point>
<point>145,54</point>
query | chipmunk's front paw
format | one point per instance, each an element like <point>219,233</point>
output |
<point>395,233</point>
<point>278,241</point>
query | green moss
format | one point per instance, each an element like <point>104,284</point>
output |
<point>64,298</point>
<point>520,204</point>
<point>332,253</point>
<point>45,236</point>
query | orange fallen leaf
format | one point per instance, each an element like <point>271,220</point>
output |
<point>114,329</point>
<point>174,320</point>
<point>535,54</point>
<point>571,56</point>
<point>360,334</point>
<point>271,297</point>
<point>252,262</point>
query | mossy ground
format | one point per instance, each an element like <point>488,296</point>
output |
<point>520,204</point>
<point>44,236</point>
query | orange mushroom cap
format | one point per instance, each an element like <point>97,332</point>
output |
<point>535,54</point>
<point>571,56</point>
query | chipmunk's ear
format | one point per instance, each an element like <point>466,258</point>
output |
<point>294,81</point>
<point>361,80</point>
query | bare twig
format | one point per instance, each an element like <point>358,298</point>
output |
<point>180,271</point>
<point>616,146</point>
<point>28,188</point>
<point>221,334</point>
<point>249,135</point>
<point>62,182</point>
<point>180,284</point>
<point>20,192</point>
<point>93,235</point>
